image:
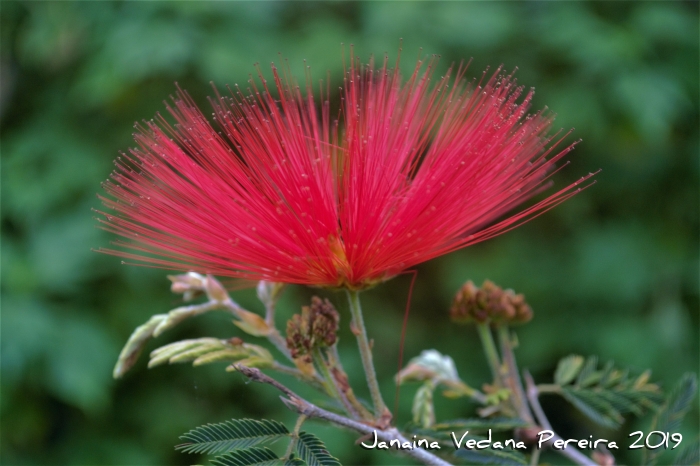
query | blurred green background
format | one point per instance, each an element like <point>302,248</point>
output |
<point>612,272</point>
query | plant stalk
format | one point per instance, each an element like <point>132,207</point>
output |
<point>295,435</point>
<point>366,354</point>
<point>512,377</point>
<point>330,383</point>
<point>301,406</point>
<point>570,452</point>
<point>490,351</point>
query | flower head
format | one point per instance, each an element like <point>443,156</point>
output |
<point>276,189</point>
<point>315,327</point>
<point>490,303</point>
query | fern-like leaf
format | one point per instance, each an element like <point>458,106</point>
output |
<point>231,435</point>
<point>605,394</point>
<point>588,375</point>
<point>313,451</point>
<point>254,456</point>
<point>473,425</point>
<point>672,412</point>
<point>599,411</point>
<point>690,455</point>
<point>567,369</point>
<point>489,456</point>
<point>677,404</point>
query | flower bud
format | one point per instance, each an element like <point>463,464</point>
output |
<point>190,285</point>
<point>490,303</point>
<point>315,327</point>
<point>215,290</point>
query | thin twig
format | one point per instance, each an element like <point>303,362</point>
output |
<point>512,378</point>
<point>344,383</point>
<point>570,452</point>
<point>330,383</point>
<point>274,336</point>
<point>295,435</point>
<point>301,406</point>
<point>490,350</point>
<point>380,409</point>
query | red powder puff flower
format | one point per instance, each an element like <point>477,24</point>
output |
<point>280,191</point>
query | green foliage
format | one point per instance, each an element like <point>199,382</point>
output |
<point>489,456</point>
<point>231,435</point>
<point>202,351</point>
<point>254,456</point>
<point>677,404</point>
<point>443,432</point>
<point>670,415</point>
<point>689,455</point>
<point>476,425</point>
<point>313,451</point>
<point>422,409</point>
<point>604,395</point>
<point>568,368</point>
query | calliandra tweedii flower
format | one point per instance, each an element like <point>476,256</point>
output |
<point>279,190</point>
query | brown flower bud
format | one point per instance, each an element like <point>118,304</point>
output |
<point>490,303</point>
<point>315,327</point>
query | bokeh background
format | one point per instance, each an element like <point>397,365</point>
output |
<point>612,272</point>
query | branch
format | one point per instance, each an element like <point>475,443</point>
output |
<point>570,452</point>
<point>512,378</point>
<point>273,334</point>
<point>301,406</point>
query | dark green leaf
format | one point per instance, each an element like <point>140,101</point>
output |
<point>677,404</point>
<point>254,456</point>
<point>479,424</point>
<point>690,455</point>
<point>605,395</point>
<point>672,412</point>
<point>592,412</point>
<point>294,460</point>
<point>313,451</point>
<point>231,435</point>
<point>489,456</point>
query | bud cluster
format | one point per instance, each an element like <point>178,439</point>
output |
<point>315,327</point>
<point>490,303</point>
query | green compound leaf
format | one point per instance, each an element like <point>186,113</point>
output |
<point>567,369</point>
<point>423,409</point>
<point>670,416</point>
<point>254,456</point>
<point>313,451</point>
<point>588,374</point>
<point>596,409</point>
<point>294,460</point>
<point>473,425</point>
<point>489,456</point>
<point>689,455</point>
<point>677,404</point>
<point>231,435</point>
<point>604,395</point>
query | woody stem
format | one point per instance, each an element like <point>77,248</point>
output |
<point>366,353</point>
